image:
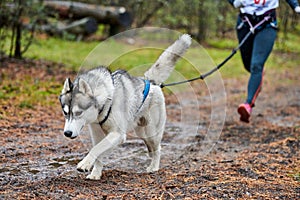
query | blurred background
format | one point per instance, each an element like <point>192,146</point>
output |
<point>211,22</point>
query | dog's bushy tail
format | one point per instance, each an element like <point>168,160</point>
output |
<point>162,68</point>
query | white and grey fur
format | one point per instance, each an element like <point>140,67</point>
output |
<point>111,104</point>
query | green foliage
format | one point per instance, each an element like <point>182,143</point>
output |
<point>18,19</point>
<point>208,21</point>
<point>72,53</point>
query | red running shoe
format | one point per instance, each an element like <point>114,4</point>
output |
<point>245,111</point>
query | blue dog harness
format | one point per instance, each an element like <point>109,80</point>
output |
<point>145,93</point>
<point>146,90</point>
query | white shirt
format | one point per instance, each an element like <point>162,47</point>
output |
<point>258,7</point>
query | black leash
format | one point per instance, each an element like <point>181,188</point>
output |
<point>234,51</point>
<point>203,76</point>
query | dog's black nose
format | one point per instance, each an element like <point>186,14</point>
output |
<point>68,133</point>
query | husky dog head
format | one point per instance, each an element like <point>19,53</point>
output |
<point>79,106</point>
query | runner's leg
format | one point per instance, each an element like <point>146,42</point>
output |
<point>262,47</point>
<point>246,48</point>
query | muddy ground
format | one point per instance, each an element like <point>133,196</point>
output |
<point>259,160</point>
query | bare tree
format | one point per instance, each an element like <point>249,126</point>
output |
<point>202,21</point>
<point>13,14</point>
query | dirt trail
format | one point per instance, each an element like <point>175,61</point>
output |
<point>259,160</point>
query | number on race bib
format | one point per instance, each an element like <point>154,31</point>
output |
<point>260,2</point>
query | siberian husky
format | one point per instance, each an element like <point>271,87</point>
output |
<point>111,104</point>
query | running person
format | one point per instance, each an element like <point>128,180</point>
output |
<point>258,46</point>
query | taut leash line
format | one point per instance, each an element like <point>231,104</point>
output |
<point>234,51</point>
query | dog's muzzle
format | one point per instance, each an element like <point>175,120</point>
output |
<point>69,134</point>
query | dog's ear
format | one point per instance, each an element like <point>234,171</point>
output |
<point>68,86</point>
<point>84,87</point>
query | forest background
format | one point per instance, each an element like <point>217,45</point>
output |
<point>208,21</point>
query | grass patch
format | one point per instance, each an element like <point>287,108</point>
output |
<point>71,53</point>
<point>29,91</point>
<point>296,176</point>
<point>26,104</point>
<point>233,68</point>
<point>283,57</point>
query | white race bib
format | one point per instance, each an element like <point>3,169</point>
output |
<point>258,7</point>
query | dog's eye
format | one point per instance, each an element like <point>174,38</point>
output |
<point>65,113</point>
<point>77,113</point>
<point>65,109</point>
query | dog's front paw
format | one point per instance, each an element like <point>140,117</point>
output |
<point>94,176</point>
<point>152,169</point>
<point>86,164</point>
<point>96,172</point>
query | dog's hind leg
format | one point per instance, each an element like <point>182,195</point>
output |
<point>153,135</point>
<point>140,132</point>
<point>148,140</point>
<point>97,135</point>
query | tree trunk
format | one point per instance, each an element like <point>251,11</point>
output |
<point>17,32</point>
<point>201,36</point>
<point>18,53</point>
<point>103,14</point>
<point>150,14</point>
